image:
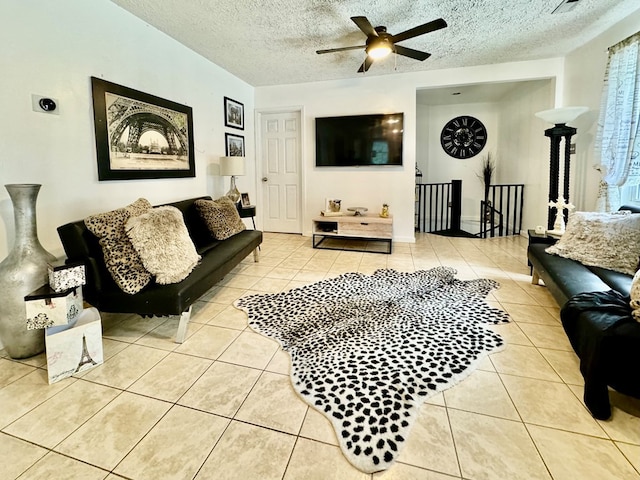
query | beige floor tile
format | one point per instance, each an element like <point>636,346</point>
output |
<point>317,427</point>
<point>223,295</point>
<point>17,456</point>
<point>131,327</point>
<point>511,333</point>
<point>107,437</point>
<point>430,443</point>
<point>221,389</point>
<point>273,404</point>
<point>400,471</point>
<point>530,314</point>
<point>239,280</point>
<point>328,462</point>
<point>566,364</point>
<point>176,447</point>
<point>494,400</point>
<point>250,350</point>
<point>523,361</point>
<point>632,452</point>
<point>282,273</point>
<point>53,465</point>
<point>261,269</point>
<point>230,317</point>
<point>486,365</point>
<point>208,342</point>
<point>437,399</point>
<point>310,276</point>
<point>164,336</point>
<point>569,456</point>
<point>511,293</point>
<point>241,452</point>
<point>35,361</point>
<point>11,371</point>
<point>110,348</point>
<point>280,363</point>
<point>624,424</point>
<point>493,448</point>
<point>545,336</point>
<point>550,404</point>
<point>124,368</point>
<point>270,285</point>
<point>52,421</point>
<point>162,383</point>
<point>26,393</point>
<point>204,312</point>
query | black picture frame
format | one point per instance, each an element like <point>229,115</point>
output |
<point>166,125</point>
<point>234,145</point>
<point>244,198</point>
<point>233,114</point>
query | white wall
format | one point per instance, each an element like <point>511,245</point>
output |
<point>523,150</point>
<point>584,72</point>
<point>53,48</point>
<point>370,187</point>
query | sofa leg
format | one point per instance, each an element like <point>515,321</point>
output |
<point>256,255</point>
<point>183,326</point>
<point>535,278</point>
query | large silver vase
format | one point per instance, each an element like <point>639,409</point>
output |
<point>24,270</point>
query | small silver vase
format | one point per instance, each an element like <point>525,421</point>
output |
<point>24,270</point>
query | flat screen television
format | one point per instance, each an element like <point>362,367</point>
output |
<point>359,140</point>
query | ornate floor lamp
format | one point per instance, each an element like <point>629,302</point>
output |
<point>559,117</point>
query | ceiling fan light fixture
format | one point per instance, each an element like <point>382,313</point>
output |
<point>378,50</point>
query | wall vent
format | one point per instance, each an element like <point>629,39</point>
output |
<point>566,6</point>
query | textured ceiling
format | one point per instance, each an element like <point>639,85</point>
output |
<point>273,42</point>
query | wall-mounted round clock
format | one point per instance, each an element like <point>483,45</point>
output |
<point>463,137</point>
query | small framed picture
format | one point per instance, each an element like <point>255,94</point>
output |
<point>332,205</point>
<point>233,114</point>
<point>245,200</point>
<point>235,145</point>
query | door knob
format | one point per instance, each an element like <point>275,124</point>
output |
<point>264,179</point>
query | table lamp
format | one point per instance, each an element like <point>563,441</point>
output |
<point>232,166</point>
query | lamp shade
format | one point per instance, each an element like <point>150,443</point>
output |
<point>230,166</point>
<point>561,115</point>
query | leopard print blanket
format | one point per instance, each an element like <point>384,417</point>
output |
<point>367,350</point>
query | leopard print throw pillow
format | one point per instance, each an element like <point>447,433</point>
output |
<point>121,259</point>
<point>221,216</point>
<point>635,296</point>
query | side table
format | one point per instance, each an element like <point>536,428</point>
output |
<point>246,212</point>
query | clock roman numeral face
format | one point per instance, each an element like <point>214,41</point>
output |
<point>463,137</point>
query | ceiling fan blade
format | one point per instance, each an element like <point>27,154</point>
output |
<point>411,53</point>
<point>365,65</point>
<point>364,25</point>
<point>341,49</point>
<point>419,30</point>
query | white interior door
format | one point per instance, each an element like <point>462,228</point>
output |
<point>281,152</point>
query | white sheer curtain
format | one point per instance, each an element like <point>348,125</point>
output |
<point>618,137</point>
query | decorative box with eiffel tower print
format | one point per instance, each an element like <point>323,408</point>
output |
<point>74,349</point>
<point>48,308</point>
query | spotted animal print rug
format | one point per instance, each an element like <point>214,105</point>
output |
<point>367,350</point>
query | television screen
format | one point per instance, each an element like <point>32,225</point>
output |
<point>359,140</point>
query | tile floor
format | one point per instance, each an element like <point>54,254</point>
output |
<point>220,406</point>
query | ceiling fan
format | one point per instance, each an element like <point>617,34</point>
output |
<point>380,43</point>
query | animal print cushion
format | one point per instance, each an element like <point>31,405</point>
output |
<point>120,258</point>
<point>162,240</point>
<point>635,296</point>
<point>221,216</point>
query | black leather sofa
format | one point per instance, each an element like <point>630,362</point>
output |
<point>218,259</point>
<point>596,317</point>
